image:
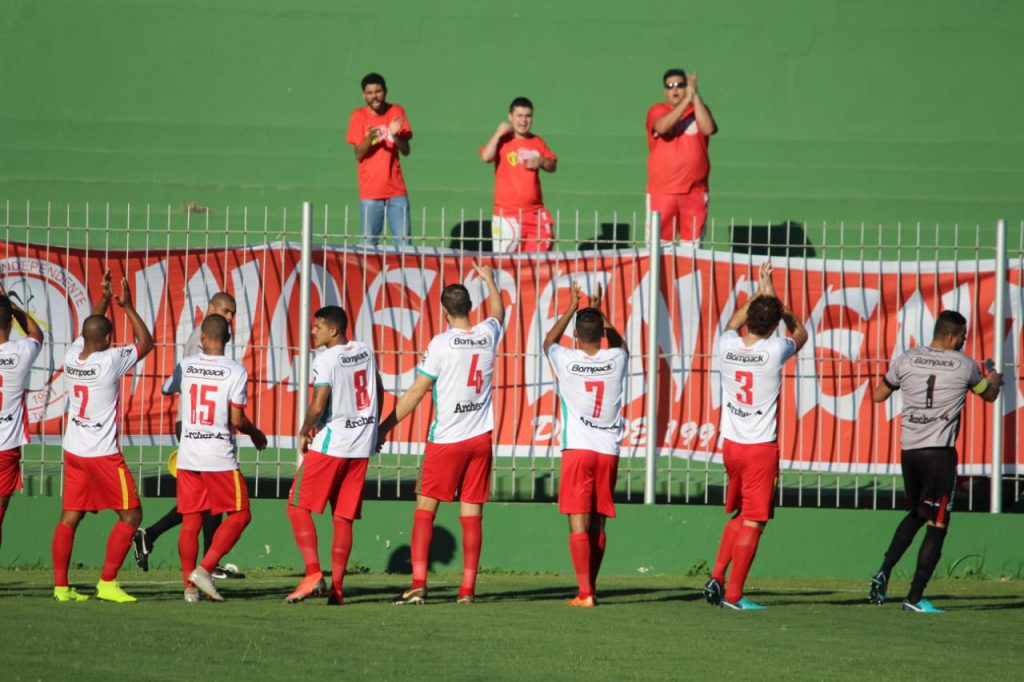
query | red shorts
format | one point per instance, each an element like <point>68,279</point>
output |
<point>463,467</point>
<point>95,483</point>
<point>588,483</point>
<point>753,477</point>
<point>10,471</point>
<point>213,491</point>
<point>682,214</point>
<point>521,231</point>
<point>338,480</point>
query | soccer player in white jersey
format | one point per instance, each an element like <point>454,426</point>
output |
<point>95,475</point>
<point>751,366</point>
<point>591,380</point>
<point>935,380</point>
<point>337,437</point>
<point>223,304</point>
<point>459,366</point>
<point>214,391</point>
<point>16,358</point>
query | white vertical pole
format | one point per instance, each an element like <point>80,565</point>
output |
<point>996,504</point>
<point>651,416</point>
<point>305,270</point>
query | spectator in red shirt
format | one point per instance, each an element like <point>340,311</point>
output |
<point>677,166</point>
<point>378,132</point>
<point>520,222</point>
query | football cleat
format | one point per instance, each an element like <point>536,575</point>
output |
<point>202,579</point>
<point>335,598</point>
<point>66,593</point>
<point>876,590</point>
<point>109,590</point>
<point>414,595</point>
<point>465,599</point>
<point>713,592</point>
<point>582,602</point>
<point>742,604</point>
<point>141,547</point>
<point>311,586</point>
<point>192,595</point>
<point>226,572</point>
<point>922,606</point>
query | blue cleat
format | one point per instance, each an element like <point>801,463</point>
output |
<point>876,590</point>
<point>713,592</point>
<point>923,606</point>
<point>742,604</point>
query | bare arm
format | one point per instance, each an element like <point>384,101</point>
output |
<point>143,339</point>
<point>401,143</point>
<point>243,425</point>
<point>495,305</point>
<point>321,394</point>
<point>556,332</point>
<point>663,126</point>
<point>705,121</point>
<point>795,327</point>
<point>615,339</point>
<point>881,392</point>
<point>406,404</point>
<point>24,320</point>
<point>490,148</point>
<point>363,148</point>
<point>995,383</point>
<point>106,293</point>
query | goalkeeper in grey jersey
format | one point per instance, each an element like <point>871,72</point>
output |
<point>934,380</point>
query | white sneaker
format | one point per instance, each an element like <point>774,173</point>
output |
<point>202,579</point>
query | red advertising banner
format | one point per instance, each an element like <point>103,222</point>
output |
<point>860,316</point>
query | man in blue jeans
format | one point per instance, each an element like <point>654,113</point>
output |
<point>379,132</point>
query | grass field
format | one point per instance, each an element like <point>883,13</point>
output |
<point>645,628</point>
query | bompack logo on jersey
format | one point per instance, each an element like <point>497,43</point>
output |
<point>463,408</point>
<point>357,359</point>
<point>9,361</point>
<point>928,362</point>
<point>755,359</point>
<point>460,342</point>
<point>87,372</point>
<point>588,370</point>
<point>207,372</point>
<point>361,421</point>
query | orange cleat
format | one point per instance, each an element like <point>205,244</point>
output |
<point>311,586</point>
<point>582,602</point>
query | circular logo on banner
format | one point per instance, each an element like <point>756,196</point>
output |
<point>59,303</point>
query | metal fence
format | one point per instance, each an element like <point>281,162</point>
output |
<point>833,461</point>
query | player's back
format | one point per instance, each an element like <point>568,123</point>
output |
<point>348,427</point>
<point>591,390</point>
<point>461,362</point>
<point>16,358</point>
<point>934,383</point>
<point>94,386</point>
<point>751,381</point>
<point>209,385</point>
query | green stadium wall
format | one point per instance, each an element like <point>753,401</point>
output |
<point>657,540</point>
<point>876,111</point>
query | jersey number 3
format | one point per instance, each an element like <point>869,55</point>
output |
<point>746,381</point>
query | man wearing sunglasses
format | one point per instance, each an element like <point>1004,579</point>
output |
<point>677,165</point>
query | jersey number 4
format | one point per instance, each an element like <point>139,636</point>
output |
<point>203,406</point>
<point>476,376</point>
<point>746,381</point>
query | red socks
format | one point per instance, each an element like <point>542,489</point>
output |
<point>579,549</point>
<point>472,540</point>
<point>597,545</point>
<point>188,543</point>
<point>422,534</point>
<point>118,544</point>
<point>63,540</point>
<point>226,537</point>
<point>743,552</point>
<point>725,549</point>
<point>305,537</point>
<point>340,549</point>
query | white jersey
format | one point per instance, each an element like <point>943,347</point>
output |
<point>348,427</point>
<point>751,379</point>
<point>461,363</point>
<point>94,388</point>
<point>16,358</point>
<point>591,391</point>
<point>209,386</point>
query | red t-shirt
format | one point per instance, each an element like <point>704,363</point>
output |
<point>380,173</point>
<point>517,188</point>
<point>678,162</point>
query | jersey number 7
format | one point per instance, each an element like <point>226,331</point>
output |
<point>598,388</point>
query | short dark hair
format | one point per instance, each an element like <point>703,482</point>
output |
<point>948,323</point>
<point>6,312</point>
<point>222,299</point>
<point>764,315</point>
<point>96,327</point>
<point>589,325</point>
<point>673,72</point>
<point>522,102</point>
<point>216,328</point>
<point>373,78</point>
<point>334,316</point>
<point>455,299</point>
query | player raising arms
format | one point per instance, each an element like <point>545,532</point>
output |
<point>751,366</point>
<point>345,411</point>
<point>214,389</point>
<point>935,380</point>
<point>459,365</point>
<point>590,384</point>
<point>16,358</point>
<point>95,476</point>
